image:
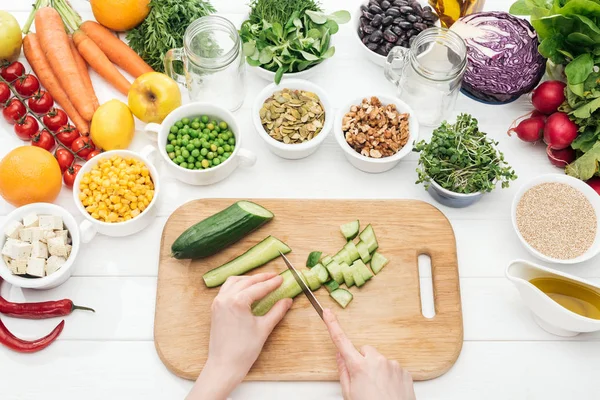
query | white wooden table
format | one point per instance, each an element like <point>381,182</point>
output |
<point>111,355</point>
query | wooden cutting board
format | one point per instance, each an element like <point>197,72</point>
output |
<point>385,312</point>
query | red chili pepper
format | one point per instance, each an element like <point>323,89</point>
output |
<point>26,346</point>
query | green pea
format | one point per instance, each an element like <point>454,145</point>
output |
<point>213,147</point>
<point>206,131</point>
<point>231,141</point>
<point>179,159</point>
<point>204,152</point>
<point>210,126</point>
<point>194,134</point>
<point>217,129</point>
<point>186,136</point>
<point>171,155</point>
<point>190,147</point>
<point>184,142</point>
<point>226,154</point>
<point>195,125</point>
<point>223,159</point>
<point>216,161</point>
<point>223,125</point>
<point>198,165</point>
<point>183,165</point>
<point>201,125</point>
<point>170,148</point>
<point>221,142</point>
<point>174,129</point>
<point>195,153</point>
<point>177,152</point>
<point>197,143</point>
<point>227,148</point>
<point>204,119</point>
<point>205,136</point>
<point>205,145</point>
<point>220,150</point>
<point>179,124</point>
<point>212,135</point>
<point>170,137</point>
<point>173,142</point>
<point>226,135</point>
<point>210,155</point>
<point>185,121</point>
<point>191,160</point>
<point>185,153</point>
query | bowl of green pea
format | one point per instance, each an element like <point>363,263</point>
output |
<point>200,143</point>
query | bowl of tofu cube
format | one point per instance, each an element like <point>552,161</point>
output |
<point>39,243</point>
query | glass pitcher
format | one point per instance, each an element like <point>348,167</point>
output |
<point>429,74</point>
<point>213,65</point>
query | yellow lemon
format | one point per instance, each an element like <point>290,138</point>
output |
<point>112,126</point>
<point>10,37</point>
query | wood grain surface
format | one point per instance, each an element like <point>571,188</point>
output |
<point>385,312</point>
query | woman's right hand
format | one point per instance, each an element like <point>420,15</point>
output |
<point>367,375</point>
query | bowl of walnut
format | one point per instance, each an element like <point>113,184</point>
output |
<point>376,132</point>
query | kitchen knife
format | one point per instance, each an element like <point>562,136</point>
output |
<point>311,297</point>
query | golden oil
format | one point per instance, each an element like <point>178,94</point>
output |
<point>573,296</point>
<point>451,10</point>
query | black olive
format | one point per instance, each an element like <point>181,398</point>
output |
<point>419,18</point>
<point>411,40</point>
<point>405,25</point>
<point>411,18</point>
<point>385,4</point>
<point>376,37</point>
<point>389,36</point>
<point>372,46</point>
<point>364,8</point>
<point>368,29</point>
<point>429,16</point>
<point>388,47</point>
<point>364,21</point>
<point>365,40</point>
<point>376,21</point>
<point>387,20</point>
<point>381,50</point>
<point>393,11</point>
<point>367,15</point>
<point>397,20</point>
<point>361,32</point>
<point>397,30</point>
<point>420,26</point>
<point>417,7</point>
<point>400,3</point>
<point>376,2</point>
<point>375,9</point>
<point>412,32</point>
<point>407,10</point>
<point>427,8</point>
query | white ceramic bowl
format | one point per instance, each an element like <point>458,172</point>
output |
<point>307,73</point>
<point>60,276</point>
<point>581,186</point>
<point>160,132</point>
<point>376,165</point>
<point>90,226</point>
<point>300,150</point>
<point>452,199</point>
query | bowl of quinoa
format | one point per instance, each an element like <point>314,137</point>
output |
<point>557,219</point>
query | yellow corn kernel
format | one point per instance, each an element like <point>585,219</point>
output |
<point>127,217</point>
<point>95,215</point>
<point>141,206</point>
<point>135,213</point>
<point>115,199</point>
<point>91,208</point>
<point>82,196</point>
<point>133,205</point>
<point>112,217</point>
<point>102,206</point>
<point>144,171</point>
<point>86,179</point>
<point>146,202</point>
<point>106,183</point>
<point>102,213</point>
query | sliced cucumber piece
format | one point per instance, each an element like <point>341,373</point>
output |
<point>313,259</point>
<point>358,279</point>
<point>326,260</point>
<point>350,247</point>
<point>289,289</point>
<point>321,273</point>
<point>256,256</point>
<point>342,297</point>
<point>368,236</point>
<point>378,262</point>
<point>364,271</point>
<point>331,286</point>
<point>343,257</point>
<point>335,271</point>
<point>348,272</point>
<point>363,251</point>
<point>350,230</point>
<point>311,279</point>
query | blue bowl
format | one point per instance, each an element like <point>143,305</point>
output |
<point>452,199</point>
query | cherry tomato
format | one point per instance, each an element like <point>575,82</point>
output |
<point>67,134</point>
<point>4,94</point>
<point>27,85</point>
<point>82,146</point>
<point>14,111</point>
<point>43,139</point>
<point>40,103</point>
<point>13,71</point>
<point>70,175</point>
<point>65,158</point>
<point>92,154</point>
<point>55,119</point>
<point>26,127</point>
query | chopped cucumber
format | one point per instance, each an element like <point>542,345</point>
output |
<point>342,297</point>
<point>378,262</point>
<point>358,279</point>
<point>364,271</point>
<point>343,257</point>
<point>313,259</point>
<point>311,279</point>
<point>288,289</point>
<point>321,273</point>
<point>363,251</point>
<point>331,286</point>
<point>348,272</point>
<point>350,230</point>
<point>335,271</point>
<point>326,260</point>
<point>350,247</point>
<point>368,236</point>
<point>256,256</point>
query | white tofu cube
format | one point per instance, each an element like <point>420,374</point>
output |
<point>51,222</point>
<point>16,249</point>
<point>31,221</point>
<point>6,260</point>
<point>39,250</point>
<point>12,230</point>
<point>36,267</point>
<point>57,247</point>
<point>63,233</point>
<point>54,263</point>
<point>19,267</point>
<point>25,235</point>
<point>31,235</point>
<point>6,249</point>
<point>69,247</point>
<point>48,235</point>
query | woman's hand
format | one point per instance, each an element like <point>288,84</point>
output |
<point>236,335</point>
<point>368,375</point>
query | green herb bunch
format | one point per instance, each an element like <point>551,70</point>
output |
<point>289,35</point>
<point>164,28</point>
<point>462,159</point>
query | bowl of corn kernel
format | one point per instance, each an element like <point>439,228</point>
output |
<point>116,192</point>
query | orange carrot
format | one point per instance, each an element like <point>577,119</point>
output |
<point>55,43</point>
<point>99,62</point>
<point>83,71</point>
<point>36,58</point>
<point>115,49</point>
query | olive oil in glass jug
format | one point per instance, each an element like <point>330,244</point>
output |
<point>451,10</point>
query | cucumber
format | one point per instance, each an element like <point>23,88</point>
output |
<point>368,236</point>
<point>289,289</point>
<point>343,257</point>
<point>256,256</point>
<point>326,260</point>
<point>313,259</point>
<point>335,271</point>
<point>363,251</point>
<point>350,230</point>
<point>378,262</point>
<point>321,273</point>
<point>331,285</point>
<point>220,230</point>
<point>350,247</point>
<point>358,279</point>
<point>364,271</point>
<point>311,279</point>
<point>348,273</point>
<point>342,297</point>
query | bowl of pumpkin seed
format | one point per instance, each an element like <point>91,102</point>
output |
<point>293,118</point>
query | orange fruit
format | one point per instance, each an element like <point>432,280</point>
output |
<point>120,15</point>
<point>29,174</point>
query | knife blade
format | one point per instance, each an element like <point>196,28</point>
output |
<point>305,289</point>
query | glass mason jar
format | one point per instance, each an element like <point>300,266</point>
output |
<point>429,74</point>
<point>213,65</point>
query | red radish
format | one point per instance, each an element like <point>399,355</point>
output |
<point>548,96</point>
<point>537,114</point>
<point>529,130</point>
<point>594,183</point>
<point>561,158</point>
<point>559,131</point>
